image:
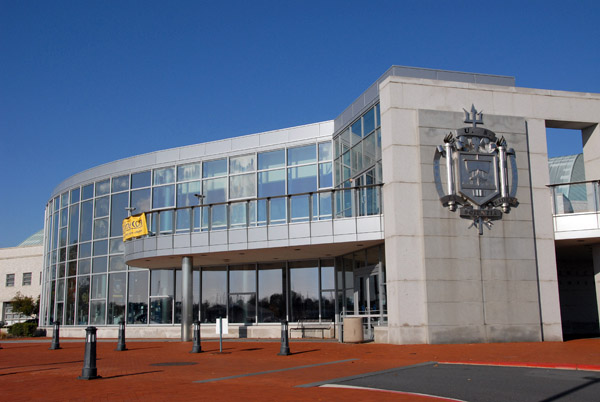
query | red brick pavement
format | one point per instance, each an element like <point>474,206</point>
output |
<point>30,371</point>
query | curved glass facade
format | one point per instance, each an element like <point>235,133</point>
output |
<point>87,282</point>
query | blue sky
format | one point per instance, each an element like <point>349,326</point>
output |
<point>87,82</point>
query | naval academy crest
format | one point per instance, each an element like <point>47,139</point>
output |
<point>477,171</point>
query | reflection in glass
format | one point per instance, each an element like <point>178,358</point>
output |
<point>304,284</point>
<point>215,168</point>
<point>242,308</point>
<point>101,247</point>
<point>214,294</point>
<point>75,195</point>
<point>237,214</point>
<point>87,192</point>
<point>141,179</point>
<point>271,183</point>
<point>102,187</point>
<point>70,302</point>
<point>120,183</point>
<point>85,231</point>
<point>179,296</point>
<point>163,197</point>
<point>325,176</point>
<point>137,303</point>
<point>271,302</point>
<point>101,228</point>
<point>161,310</point>
<point>116,246</point>
<point>302,179</point>
<point>118,212</point>
<point>83,298</point>
<point>73,223</point>
<point>116,263</point>
<point>98,286</point>
<point>241,164</point>
<point>242,186</point>
<point>186,191</point>
<point>84,266</point>
<point>271,159</point>
<point>97,311</point>
<point>369,121</point>
<point>164,176</point>
<point>301,155</point>
<point>188,172</point>
<point>140,200</point>
<point>116,298</point>
<point>324,151</point>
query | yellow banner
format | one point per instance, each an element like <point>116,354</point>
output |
<point>134,226</point>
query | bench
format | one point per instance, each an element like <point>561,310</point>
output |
<point>310,329</point>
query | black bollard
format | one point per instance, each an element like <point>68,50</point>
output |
<point>55,336</point>
<point>285,344</point>
<point>197,348</point>
<point>89,371</point>
<point>121,343</point>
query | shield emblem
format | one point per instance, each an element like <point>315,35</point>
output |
<point>478,177</point>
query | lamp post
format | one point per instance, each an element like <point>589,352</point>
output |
<point>129,210</point>
<point>89,371</point>
<point>285,344</point>
<point>121,343</point>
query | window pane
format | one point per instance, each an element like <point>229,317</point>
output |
<point>164,176</point>
<point>214,294</point>
<point>116,298</point>
<point>102,187</point>
<point>186,191</point>
<point>302,179</point>
<point>99,264</point>
<point>83,297</point>
<point>99,286</point>
<point>242,186</point>
<point>215,190</point>
<point>101,247</point>
<point>325,175</point>
<point>369,121</point>
<point>162,283</point>
<point>137,304</point>
<point>369,150</point>
<point>141,179</point>
<point>140,200</point>
<point>324,151</point>
<point>101,207</point>
<point>356,131</point>
<point>188,172</point>
<point>101,228</point>
<point>117,213</point>
<point>242,308</point>
<point>327,275</point>
<point>241,164</point>
<point>84,266</point>
<point>304,283</point>
<point>74,195</point>
<point>85,250</point>
<point>242,279</point>
<point>271,303</point>
<point>215,168</point>
<point>277,208</point>
<point>163,197</point>
<point>88,192</point>
<point>97,310</point>
<point>73,223</point>
<point>116,246</point>
<point>272,159</point>
<point>301,155</point>
<point>120,183</point>
<point>271,183</point>
<point>161,310</point>
<point>117,263</point>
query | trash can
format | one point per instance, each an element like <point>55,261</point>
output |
<point>353,330</point>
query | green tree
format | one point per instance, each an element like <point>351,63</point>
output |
<point>25,305</point>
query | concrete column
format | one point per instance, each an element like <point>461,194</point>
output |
<point>187,299</point>
<point>591,151</point>
<point>596,259</point>
<point>544,231</point>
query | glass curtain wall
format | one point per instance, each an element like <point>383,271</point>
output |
<point>86,280</point>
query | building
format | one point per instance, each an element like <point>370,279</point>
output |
<point>21,270</point>
<point>353,217</point>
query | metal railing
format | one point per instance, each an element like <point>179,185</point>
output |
<point>576,197</point>
<point>284,209</point>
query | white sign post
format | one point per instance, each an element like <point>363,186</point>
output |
<point>221,328</point>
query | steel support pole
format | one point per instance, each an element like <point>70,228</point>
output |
<point>187,299</point>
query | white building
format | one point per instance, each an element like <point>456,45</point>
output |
<point>21,272</point>
<point>351,217</point>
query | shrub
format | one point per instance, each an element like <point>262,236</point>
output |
<point>22,329</point>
